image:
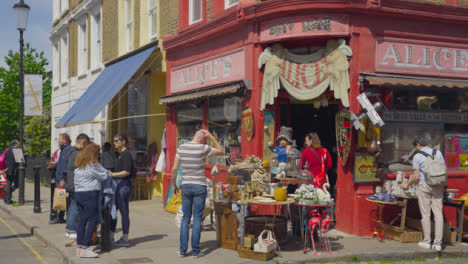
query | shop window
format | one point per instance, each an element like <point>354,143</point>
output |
<point>230,3</point>
<point>152,18</point>
<point>137,106</point>
<point>397,138</point>
<point>224,123</point>
<point>195,11</point>
<point>427,112</point>
<point>189,120</point>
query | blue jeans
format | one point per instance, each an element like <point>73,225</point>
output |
<point>87,203</point>
<point>122,198</point>
<point>72,215</point>
<point>193,195</point>
<point>10,188</point>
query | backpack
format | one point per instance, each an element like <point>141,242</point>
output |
<point>435,169</point>
<point>3,159</point>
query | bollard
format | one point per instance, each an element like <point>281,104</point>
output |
<point>106,243</point>
<point>53,214</point>
<point>21,183</point>
<point>37,190</point>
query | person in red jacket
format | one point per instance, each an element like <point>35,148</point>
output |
<point>318,159</point>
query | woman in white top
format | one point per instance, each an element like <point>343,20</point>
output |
<point>88,176</point>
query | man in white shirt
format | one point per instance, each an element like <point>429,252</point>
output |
<point>429,196</point>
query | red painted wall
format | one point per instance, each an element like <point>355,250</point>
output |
<point>227,30</point>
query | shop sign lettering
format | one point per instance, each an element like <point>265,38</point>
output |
<point>426,117</point>
<point>209,72</point>
<point>421,59</point>
<point>301,26</point>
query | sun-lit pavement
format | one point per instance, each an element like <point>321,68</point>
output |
<point>17,245</point>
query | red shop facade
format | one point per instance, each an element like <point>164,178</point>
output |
<point>246,63</point>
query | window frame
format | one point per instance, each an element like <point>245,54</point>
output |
<point>56,63</point>
<point>227,5</point>
<point>56,10</point>
<point>191,12</point>
<point>150,20</point>
<point>83,45</point>
<point>63,7</point>
<point>96,39</point>
<point>64,58</point>
<point>128,25</point>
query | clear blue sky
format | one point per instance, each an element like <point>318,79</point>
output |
<point>37,32</point>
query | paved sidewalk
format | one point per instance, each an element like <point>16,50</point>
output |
<point>154,238</point>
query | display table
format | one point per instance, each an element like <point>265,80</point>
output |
<point>405,234</point>
<point>459,204</point>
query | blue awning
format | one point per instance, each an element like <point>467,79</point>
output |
<point>111,80</point>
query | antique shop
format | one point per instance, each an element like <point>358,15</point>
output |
<point>269,72</point>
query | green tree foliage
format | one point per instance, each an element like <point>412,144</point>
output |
<point>37,129</point>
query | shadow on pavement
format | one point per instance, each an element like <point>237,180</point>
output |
<point>16,236</point>
<point>135,241</point>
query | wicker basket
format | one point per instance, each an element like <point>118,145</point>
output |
<point>254,225</point>
<point>250,254</point>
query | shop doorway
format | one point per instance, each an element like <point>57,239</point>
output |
<point>304,118</point>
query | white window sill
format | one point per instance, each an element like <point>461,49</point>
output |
<point>194,22</point>
<point>96,69</point>
<point>82,75</point>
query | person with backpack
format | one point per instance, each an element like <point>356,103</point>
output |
<point>124,171</point>
<point>8,162</point>
<point>431,171</point>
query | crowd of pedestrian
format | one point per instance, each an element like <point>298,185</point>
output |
<point>83,169</point>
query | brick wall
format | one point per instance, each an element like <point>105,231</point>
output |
<point>169,15</point>
<point>73,49</point>
<point>110,31</point>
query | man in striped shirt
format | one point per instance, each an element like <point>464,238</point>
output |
<point>192,157</point>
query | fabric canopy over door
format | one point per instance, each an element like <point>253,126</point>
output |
<point>111,80</point>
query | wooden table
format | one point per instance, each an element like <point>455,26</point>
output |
<point>380,226</point>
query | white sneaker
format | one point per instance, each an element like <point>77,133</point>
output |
<point>72,235</point>
<point>437,247</point>
<point>88,253</point>
<point>425,244</point>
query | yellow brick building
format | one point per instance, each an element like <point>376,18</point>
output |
<point>128,29</point>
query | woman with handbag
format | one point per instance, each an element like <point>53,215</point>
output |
<point>318,159</point>
<point>88,177</point>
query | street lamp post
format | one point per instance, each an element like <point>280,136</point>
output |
<point>22,14</point>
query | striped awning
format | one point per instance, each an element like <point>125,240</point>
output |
<point>401,80</point>
<point>225,89</point>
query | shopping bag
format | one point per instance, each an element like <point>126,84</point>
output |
<point>3,192</point>
<point>174,203</point>
<point>60,199</point>
<point>265,245</point>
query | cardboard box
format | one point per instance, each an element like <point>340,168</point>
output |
<point>448,235</point>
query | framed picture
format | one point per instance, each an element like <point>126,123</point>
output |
<point>365,169</point>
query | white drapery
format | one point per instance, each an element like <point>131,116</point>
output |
<point>306,77</point>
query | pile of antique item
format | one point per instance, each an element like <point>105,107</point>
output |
<point>244,191</point>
